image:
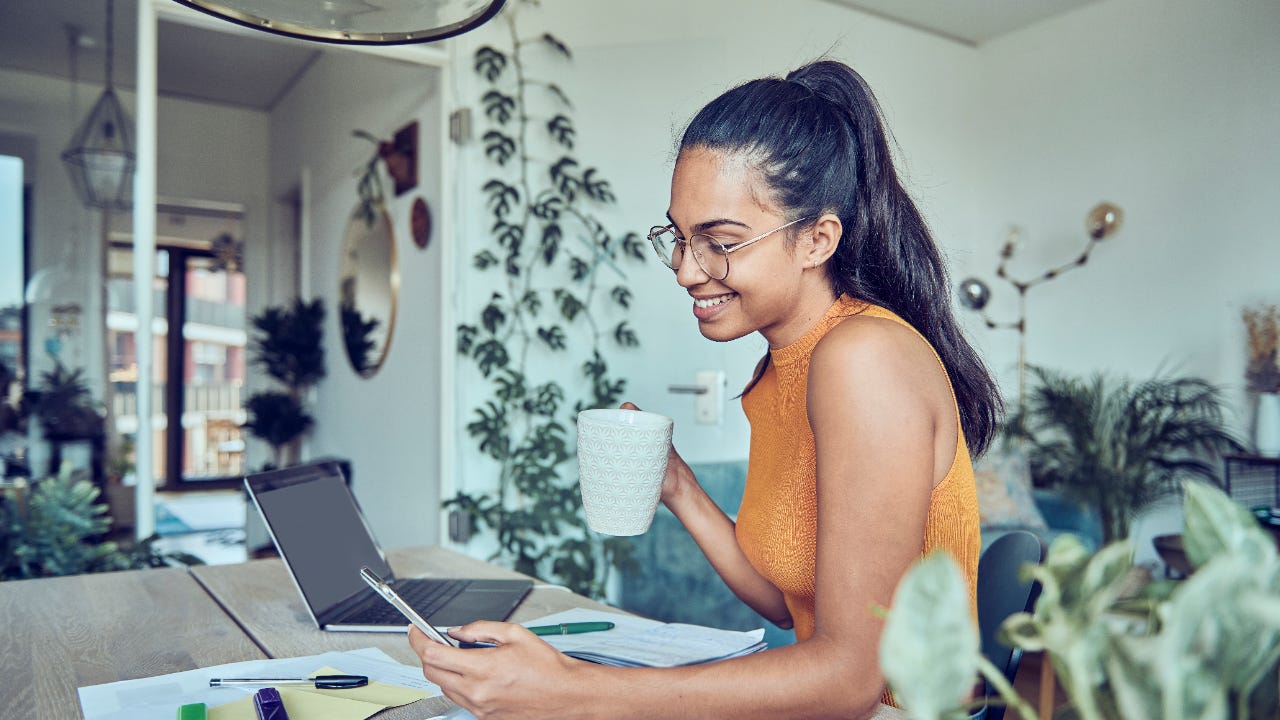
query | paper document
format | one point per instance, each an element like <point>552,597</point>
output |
<point>157,698</point>
<point>638,642</point>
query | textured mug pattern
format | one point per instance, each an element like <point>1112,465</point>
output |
<point>620,471</point>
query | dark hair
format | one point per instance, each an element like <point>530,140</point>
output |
<point>818,141</point>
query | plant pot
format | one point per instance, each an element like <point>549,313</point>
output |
<point>1267,428</point>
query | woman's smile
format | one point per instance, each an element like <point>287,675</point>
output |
<point>707,308</point>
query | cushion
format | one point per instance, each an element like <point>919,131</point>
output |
<point>1003,479</point>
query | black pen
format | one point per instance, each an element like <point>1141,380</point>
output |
<point>323,682</point>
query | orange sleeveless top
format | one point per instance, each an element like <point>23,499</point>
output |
<point>778,519</point>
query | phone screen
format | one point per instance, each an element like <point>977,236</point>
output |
<point>383,589</point>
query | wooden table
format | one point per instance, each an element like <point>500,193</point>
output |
<point>63,633</point>
<point>262,598</point>
<point>58,634</point>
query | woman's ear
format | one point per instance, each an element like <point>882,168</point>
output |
<point>824,239</point>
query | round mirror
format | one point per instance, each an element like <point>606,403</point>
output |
<point>369,284</point>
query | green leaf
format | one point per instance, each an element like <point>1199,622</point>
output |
<point>531,302</point>
<point>484,260</point>
<point>502,198</point>
<point>596,189</point>
<point>634,246</point>
<point>508,236</point>
<point>556,45</point>
<point>548,208</point>
<point>621,295</point>
<point>550,245</point>
<point>489,63</point>
<point>553,336</point>
<point>929,621</point>
<point>492,317</point>
<point>489,355</point>
<point>499,147</point>
<point>559,94</point>
<point>570,306</point>
<point>561,130</point>
<point>1216,525</point>
<point>491,429</point>
<point>562,177</point>
<point>625,336</point>
<point>510,386</point>
<point>498,106</point>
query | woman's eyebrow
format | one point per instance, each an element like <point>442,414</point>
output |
<point>708,224</point>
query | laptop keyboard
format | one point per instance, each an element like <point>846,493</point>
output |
<point>425,596</point>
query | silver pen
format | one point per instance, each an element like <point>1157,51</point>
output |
<point>323,682</point>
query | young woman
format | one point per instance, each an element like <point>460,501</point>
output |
<point>788,219</point>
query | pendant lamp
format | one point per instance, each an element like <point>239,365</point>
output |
<point>100,157</point>
<point>355,22</point>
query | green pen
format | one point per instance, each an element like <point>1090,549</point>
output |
<point>571,628</point>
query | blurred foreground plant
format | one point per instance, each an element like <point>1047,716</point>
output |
<point>1207,647</point>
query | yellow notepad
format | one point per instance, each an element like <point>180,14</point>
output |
<point>308,703</point>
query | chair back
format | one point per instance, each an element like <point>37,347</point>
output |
<point>1001,593</point>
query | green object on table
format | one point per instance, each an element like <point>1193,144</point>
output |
<point>571,628</point>
<point>192,711</point>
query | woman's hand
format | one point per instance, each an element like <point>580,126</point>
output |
<point>522,677</point>
<point>679,477</point>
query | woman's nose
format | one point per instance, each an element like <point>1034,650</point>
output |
<point>690,273</point>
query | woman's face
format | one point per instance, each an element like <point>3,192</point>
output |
<point>715,194</point>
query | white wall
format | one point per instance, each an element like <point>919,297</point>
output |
<point>387,425</point>
<point>1167,108</point>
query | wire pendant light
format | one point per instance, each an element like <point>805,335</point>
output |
<point>355,22</point>
<point>100,158</point>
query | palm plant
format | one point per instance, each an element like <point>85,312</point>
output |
<point>1117,444</point>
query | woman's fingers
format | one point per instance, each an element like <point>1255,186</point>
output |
<point>488,631</point>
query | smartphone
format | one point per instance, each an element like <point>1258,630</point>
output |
<point>382,588</point>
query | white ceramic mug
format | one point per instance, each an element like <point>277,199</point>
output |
<point>622,459</point>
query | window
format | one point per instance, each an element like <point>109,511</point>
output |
<point>199,372</point>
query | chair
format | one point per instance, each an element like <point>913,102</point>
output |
<point>1000,594</point>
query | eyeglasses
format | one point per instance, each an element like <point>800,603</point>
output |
<point>710,254</point>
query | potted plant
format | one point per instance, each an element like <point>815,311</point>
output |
<point>1262,375</point>
<point>64,405</point>
<point>1122,648</point>
<point>288,345</point>
<point>1117,444</point>
<point>560,299</point>
<point>60,528</point>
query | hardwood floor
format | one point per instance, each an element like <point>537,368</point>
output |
<point>1027,683</point>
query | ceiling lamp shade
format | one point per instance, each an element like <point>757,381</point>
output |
<point>100,157</point>
<point>355,22</point>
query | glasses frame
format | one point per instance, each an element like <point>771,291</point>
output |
<point>657,230</point>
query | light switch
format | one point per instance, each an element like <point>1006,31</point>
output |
<point>709,405</point>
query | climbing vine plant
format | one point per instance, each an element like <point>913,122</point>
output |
<point>559,291</point>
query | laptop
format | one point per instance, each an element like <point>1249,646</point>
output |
<point>323,538</point>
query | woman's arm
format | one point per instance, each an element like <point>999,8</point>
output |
<point>715,534</point>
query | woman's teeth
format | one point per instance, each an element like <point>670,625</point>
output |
<point>711,302</point>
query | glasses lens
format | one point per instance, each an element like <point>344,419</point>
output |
<point>664,243</point>
<point>711,256</point>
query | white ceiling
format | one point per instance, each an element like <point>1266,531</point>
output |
<point>972,22</point>
<point>252,69</point>
<point>238,67</point>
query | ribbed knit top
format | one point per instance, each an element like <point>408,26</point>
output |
<point>778,520</point>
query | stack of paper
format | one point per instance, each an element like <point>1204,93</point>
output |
<point>157,698</point>
<point>637,642</point>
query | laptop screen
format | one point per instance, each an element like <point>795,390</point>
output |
<point>318,530</point>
